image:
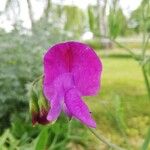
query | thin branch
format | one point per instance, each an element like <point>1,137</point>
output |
<point>7,5</point>
<point>121,46</point>
<point>145,45</point>
<point>105,141</point>
<point>36,80</point>
<point>54,142</point>
<point>30,12</point>
<point>146,81</point>
<point>47,9</point>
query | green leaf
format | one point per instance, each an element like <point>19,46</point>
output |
<point>33,103</point>
<point>4,137</point>
<point>42,139</point>
<point>91,18</point>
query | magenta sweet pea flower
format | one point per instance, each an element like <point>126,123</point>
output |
<point>71,70</point>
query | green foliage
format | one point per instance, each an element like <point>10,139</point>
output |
<point>116,114</point>
<point>42,139</point>
<point>119,114</point>
<point>75,20</point>
<point>21,62</point>
<point>94,43</point>
<point>140,17</point>
<point>64,20</point>
<point>92,20</point>
<point>14,77</point>
<point>19,135</point>
<point>116,21</point>
<point>52,137</point>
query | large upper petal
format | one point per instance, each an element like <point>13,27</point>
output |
<point>75,58</point>
<point>86,68</point>
<point>54,66</point>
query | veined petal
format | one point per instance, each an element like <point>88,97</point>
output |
<point>76,58</point>
<point>71,70</point>
<point>86,68</point>
<point>78,108</point>
<point>54,66</point>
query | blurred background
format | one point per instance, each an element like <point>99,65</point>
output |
<point>119,32</point>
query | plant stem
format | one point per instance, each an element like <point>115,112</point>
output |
<point>37,79</point>
<point>54,142</point>
<point>145,45</point>
<point>146,81</point>
<point>122,46</point>
<point>105,141</point>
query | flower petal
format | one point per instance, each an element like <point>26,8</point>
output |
<point>86,68</point>
<point>55,109</point>
<point>54,66</point>
<point>78,108</point>
<point>76,58</point>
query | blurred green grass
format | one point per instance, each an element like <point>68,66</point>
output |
<point>121,78</point>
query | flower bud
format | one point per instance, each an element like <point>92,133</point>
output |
<point>39,108</point>
<point>43,110</point>
<point>33,106</point>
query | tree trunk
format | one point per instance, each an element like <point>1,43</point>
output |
<point>30,12</point>
<point>47,8</point>
<point>14,6</point>
<point>102,22</point>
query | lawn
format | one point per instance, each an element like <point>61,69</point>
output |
<point>121,109</point>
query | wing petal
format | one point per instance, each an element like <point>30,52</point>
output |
<point>78,108</point>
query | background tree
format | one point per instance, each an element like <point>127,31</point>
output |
<point>29,4</point>
<point>93,20</point>
<point>103,23</point>
<point>74,20</point>
<point>117,22</point>
<point>137,16</point>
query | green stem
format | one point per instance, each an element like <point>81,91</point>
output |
<point>37,79</point>
<point>146,81</point>
<point>54,146</point>
<point>59,144</point>
<point>105,141</point>
<point>145,46</point>
<point>122,46</point>
<point>144,34</point>
<point>54,142</point>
